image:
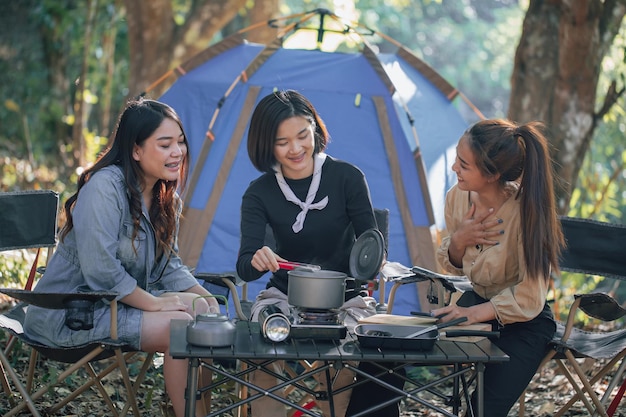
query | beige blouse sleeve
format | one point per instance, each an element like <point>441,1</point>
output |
<point>497,273</point>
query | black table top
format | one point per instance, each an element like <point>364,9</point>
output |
<point>249,344</point>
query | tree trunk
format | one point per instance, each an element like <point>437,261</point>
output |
<point>157,43</point>
<point>555,77</point>
<point>261,12</point>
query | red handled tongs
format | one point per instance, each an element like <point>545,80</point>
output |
<point>293,265</point>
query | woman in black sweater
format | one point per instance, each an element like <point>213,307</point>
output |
<point>316,207</point>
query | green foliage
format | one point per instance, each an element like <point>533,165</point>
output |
<point>600,192</point>
<point>566,286</point>
<point>14,267</point>
<point>601,188</point>
<point>46,47</point>
<point>24,83</point>
<point>470,42</point>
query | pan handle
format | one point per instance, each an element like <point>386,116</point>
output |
<point>425,314</point>
<point>485,333</point>
<point>437,327</point>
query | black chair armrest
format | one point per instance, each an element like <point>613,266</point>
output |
<point>54,300</point>
<point>78,306</point>
<point>450,282</point>
<point>600,306</point>
<point>218,278</point>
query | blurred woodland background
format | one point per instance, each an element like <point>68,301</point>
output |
<point>68,67</point>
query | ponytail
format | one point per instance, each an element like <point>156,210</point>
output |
<point>519,153</point>
<point>542,236</point>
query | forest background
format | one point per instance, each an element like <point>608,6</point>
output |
<point>68,67</point>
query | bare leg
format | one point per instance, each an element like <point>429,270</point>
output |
<point>155,337</point>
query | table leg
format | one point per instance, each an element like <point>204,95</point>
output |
<point>192,387</point>
<point>455,391</point>
<point>480,380</point>
<point>329,387</point>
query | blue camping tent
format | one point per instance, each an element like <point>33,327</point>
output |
<point>375,105</point>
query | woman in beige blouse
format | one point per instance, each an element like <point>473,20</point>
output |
<point>504,235</point>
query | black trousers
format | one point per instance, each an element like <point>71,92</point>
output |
<point>370,394</point>
<point>526,344</point>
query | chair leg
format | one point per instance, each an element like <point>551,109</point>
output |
<point>132,399</point>
<point>611,387</point>
<point>147,363</point>
<point>522,404</point>
<point>69,371</point>
<point>6,388</point>
<point>588,389</point>
<point>618,398</point>
<point>7,371</point>
<point>93,380</point>
<point>599,375</point>
<point>242,390</point>
<point>32,365</point>
<point>392,296</point>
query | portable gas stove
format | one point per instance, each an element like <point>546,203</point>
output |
<point>316,298</point>
<point>317,324</point>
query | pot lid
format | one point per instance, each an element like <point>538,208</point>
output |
<point>367,254</point>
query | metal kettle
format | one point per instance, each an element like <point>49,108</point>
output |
<point>211,329</point>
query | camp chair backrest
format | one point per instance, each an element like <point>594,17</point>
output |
<point>594,248</point>
<point>28,219</point>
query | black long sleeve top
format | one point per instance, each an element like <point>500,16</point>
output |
<point>328,234</point>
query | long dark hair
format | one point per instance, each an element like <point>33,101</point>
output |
<point>271,111</point>
<point>519,153</point>
<point>137,123</point>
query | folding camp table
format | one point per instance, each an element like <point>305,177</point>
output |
<point>250,347</point>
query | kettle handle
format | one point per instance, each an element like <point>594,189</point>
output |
<point>193,304</point>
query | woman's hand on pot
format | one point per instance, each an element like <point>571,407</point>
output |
<point>265,259</point>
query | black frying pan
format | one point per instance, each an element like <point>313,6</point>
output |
<point>396,336</point>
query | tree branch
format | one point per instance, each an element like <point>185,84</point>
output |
<point>610,98</point>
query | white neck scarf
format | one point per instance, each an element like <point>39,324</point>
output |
<point>318,161</point>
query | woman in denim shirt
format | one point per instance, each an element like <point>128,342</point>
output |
<point>121,235</point>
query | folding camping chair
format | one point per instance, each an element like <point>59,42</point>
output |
<point>593,248</point>
<point>28,221</point>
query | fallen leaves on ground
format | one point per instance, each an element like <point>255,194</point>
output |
<point>548,391</point>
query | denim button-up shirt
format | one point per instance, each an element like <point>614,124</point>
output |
<point>99,254</point>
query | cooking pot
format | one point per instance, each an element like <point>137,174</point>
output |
<point>211,329</point>
<point>316,289</point>
<point>324,290</point>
